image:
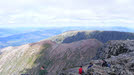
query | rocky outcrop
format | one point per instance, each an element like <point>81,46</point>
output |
<point>119,54</point>
<point>122,64</point>
<point>114,48</point>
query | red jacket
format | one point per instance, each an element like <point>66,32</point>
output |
<point>80,70</point>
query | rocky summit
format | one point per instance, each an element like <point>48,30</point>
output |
<point>119,54</point>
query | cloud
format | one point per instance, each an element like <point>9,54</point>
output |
<point>124,1</point>
<point>28,13</point>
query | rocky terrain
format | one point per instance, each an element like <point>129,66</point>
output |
<point>120,54</point>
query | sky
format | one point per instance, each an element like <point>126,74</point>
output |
<point>61,13</point>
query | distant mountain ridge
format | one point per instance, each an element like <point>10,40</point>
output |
<point>103,36</point>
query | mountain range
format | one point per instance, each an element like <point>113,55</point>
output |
<point>21,36</point>
<point>64,53</point>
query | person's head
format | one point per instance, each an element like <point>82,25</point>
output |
<point>90,63</point>
<point>80,66</point>
<point>42,67</point>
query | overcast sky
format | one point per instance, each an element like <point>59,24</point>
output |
<point>38,13</point>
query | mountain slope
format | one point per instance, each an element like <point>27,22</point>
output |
<point>16,59</point>
<point>103,36</point>
<point>27,59</point>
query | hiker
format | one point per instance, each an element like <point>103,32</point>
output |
<point>105,64</point>
<point>42,71</point>
<point>89,69</point>
<point>81,71</point>
<point>90,65</point>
